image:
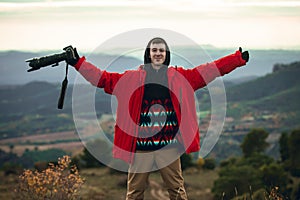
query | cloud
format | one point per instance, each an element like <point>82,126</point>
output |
<point>70,21</point>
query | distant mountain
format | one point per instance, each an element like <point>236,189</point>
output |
<point>42,98</point>
<point>13,68</point>
<point>278,82</point>
<point>237,81</point>
<point>261,61</point>
<point>33,97</point>
<point>270,102</point>
<point>274,95</point>
<point>30,108</point>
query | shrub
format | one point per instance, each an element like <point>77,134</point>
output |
<point>274,194</point>
<point>96,152</point>
<point>236,179</point>
<point>186,161</point>
<point>257,137</point>
<point>11,168</point>
<point>56,182</point>
<point>274,175</point>
<point>200,162</point>
<point>209,164</point>
<point>296,192</point>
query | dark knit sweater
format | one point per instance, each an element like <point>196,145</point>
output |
<point>158,121</point>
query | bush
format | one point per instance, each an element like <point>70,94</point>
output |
<point>7,158</point>
<point>209,163</point>
<point>94,151</point>
<point>274,175</point>
<point>274,194</point>
<point>239,177</point>
<point>258,138</point>
<point>11,168</point>
<point>296,192</point>
<point>289,151</point>
<point>30,157</point>
<point>260,194</point>
<point>186,161</point>
<point>60,182</point>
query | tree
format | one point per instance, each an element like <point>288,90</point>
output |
<point>254,169</point>
<point>254,142</point>
<point>209,163</point>
<point>294,148</point>
<point>284,148</point>
<point>95,151</point>
<point>236,177</point>
<point>89,160</point>
<point>296,192</point>
<point>274,175</point>
<point>30,157</point>
<point>11,148</point>
<point>186,161</point>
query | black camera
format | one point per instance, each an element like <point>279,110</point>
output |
<point>53,60</point>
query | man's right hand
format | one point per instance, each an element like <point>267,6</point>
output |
<point>72,55</point>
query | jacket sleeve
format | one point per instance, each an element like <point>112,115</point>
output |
<point>203,74</point>
<point>97,77</point>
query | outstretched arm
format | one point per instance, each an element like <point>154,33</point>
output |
<point>203,74</point>
<point>97,77</point>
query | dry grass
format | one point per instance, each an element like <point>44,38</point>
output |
<point>60,182</point>
<point>101,184</point>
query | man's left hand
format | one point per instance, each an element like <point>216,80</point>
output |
<point>245,54</point>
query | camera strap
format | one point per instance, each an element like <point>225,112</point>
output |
<point>63,89</point>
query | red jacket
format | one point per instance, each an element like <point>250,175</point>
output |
<point>128,89</point>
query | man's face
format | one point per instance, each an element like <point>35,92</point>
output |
<point>157,54</point>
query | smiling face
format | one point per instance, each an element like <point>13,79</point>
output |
<point>157,54</point>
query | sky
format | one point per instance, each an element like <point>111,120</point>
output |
<point>49,25</point>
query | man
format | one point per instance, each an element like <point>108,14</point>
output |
<point>156,116</point>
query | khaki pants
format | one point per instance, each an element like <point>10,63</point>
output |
<point>167,162</point>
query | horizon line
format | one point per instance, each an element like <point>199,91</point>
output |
<point>205,47</point>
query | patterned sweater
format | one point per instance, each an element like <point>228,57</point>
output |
<point>158,122</point>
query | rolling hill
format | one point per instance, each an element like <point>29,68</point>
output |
<point>32,108</point>
<point>13,69</point>
<point>276,93</point>
<point>270,102</point>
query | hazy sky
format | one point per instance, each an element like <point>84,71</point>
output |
<point>40,25</point>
